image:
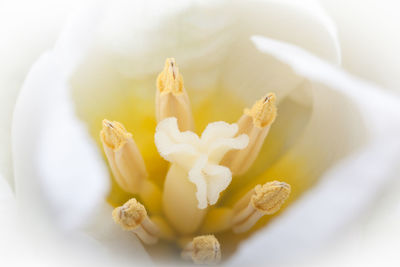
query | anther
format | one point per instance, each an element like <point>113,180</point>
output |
<point>262,200</point>
<point>171,97</point>
<point>255,122</point>
<point>127,164</point>
<point>132,216</point>
<point>203,250</point>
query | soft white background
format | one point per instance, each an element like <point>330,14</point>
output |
<point>369,31</point>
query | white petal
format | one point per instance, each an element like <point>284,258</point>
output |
<point>159,29</point>
<point>351,121</point>
<point>25,35</point>
<point>209,39</point>
<point>60,174</point>
<point>10,240</point>
<point>289,21</point>
<point>51,144</point>
<point>373,54</point>
<point>377,108</point>
<point>325,211</point>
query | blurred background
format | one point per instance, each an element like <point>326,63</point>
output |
<point>369,33</point>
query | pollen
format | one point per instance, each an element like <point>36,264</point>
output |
<point>114,134</point>
<point>203,250</point>
<point>132,216</point>
<point>263,112</point>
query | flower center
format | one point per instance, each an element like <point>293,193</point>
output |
<point>200,169</point>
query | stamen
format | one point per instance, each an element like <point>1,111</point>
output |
<point>203,250</point>
<point>132,216</point>
<point>170,80</point>
<point>171,97</point>
<point>263,112</point>
<point>127,164</point>
<point>262,200</point>
<point>114,134</point>
<point>255,122</point>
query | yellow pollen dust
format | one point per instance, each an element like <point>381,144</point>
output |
<point>270,197</point>
<point>170,80</point>
<point>203,250</point>
<point>263,111</point>
<point>114,134</point>
<point>182,208</point>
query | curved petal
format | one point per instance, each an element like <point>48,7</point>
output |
<point>209,39</point>
<point>59,172</point>
<point>288,21</point>
<point>352,121</point>
<point>25,36</point>
<point>341,196</point>
<point>373,55</point>
<point>9,228</point>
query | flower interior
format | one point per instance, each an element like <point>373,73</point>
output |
<point>195,169</point>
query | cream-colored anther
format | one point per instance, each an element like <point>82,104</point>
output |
<point>132,216</point>
<point>203,250</point>
<point>127,164</point>
<point>171,97</point>
<point>195,178</point>
<point>262,200</point>
<point>255,122</point>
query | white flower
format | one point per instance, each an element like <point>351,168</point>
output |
<point>340,130</point>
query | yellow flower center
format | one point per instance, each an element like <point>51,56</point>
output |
<point>140,189</point>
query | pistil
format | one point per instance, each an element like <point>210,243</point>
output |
<point>195,178</point>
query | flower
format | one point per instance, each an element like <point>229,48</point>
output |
<point>321,107</point>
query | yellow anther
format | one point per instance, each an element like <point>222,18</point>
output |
<point>263,112</point>
<point>127,164</point>
<point>255,122</point>
<point>114,134</point>
<point>171,97</point>
<point>262,200</point>
<point>203,250</point>
<point>132,216</point>
<point>170,79</point>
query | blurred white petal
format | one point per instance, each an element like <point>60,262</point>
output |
<point>27,29</point>
<point>278,20</point>
<point>351,120</point>
<point>8,225</point>
<point>50,143</point>
<point>369,38</point>
<point>343,194</point>
<point>58,169</point>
